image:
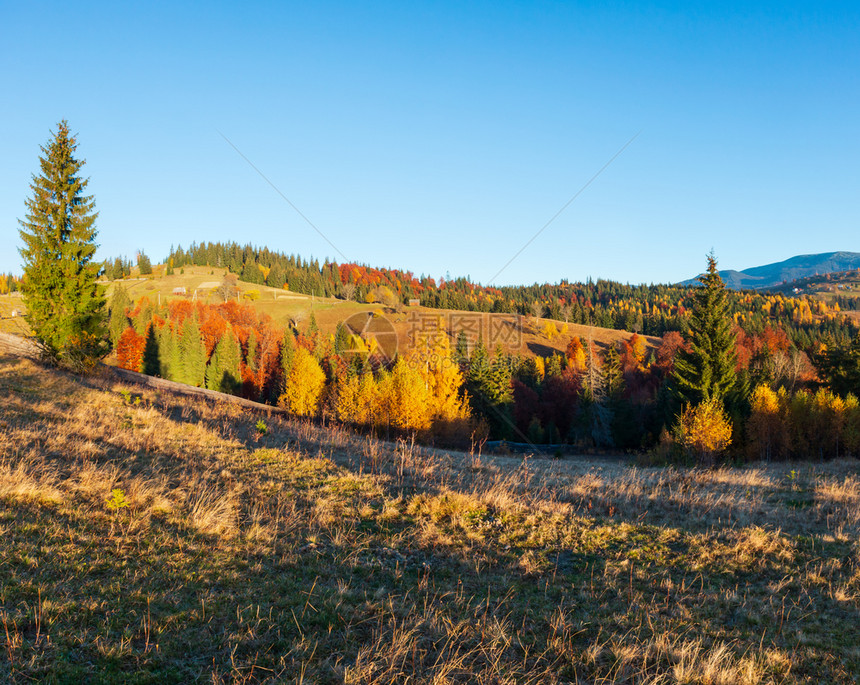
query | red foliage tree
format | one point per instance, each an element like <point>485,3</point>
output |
<point>672,342</point>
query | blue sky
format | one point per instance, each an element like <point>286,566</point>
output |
<point>440,137</point>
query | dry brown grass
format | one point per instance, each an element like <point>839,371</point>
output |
<point>312,554</point>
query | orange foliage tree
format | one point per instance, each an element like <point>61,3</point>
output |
<point>129,350</point>
<point>576,354</point>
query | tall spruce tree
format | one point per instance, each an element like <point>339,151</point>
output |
<point>223,374</point>
<point>707,369</point>
<point>288,353</point>
<point>192,354</point>
<point>65,305</point>
<point>151,354</point>
<point>119,305</point>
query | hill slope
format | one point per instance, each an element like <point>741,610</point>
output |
<point>772,275</point>
<point>156,538</point>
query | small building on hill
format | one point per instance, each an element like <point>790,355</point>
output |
<point>180,291</point>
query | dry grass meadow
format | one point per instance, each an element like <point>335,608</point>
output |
<point>152,538</point>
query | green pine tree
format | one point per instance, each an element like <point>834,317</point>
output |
<point>119,305</point>
<point>707,369</point>
<point>192,354</point>
<point>342,339</point>
<point>65,305</point>
<point>839,365</point>
<point>144,264</point>
<point>288,353</point>
<point>613,373</point>
<point>223,374</point>
<point>168,352</point>
<point>151,356</point>
<point>461,349</point>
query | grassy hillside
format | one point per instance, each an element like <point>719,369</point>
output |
<point>284,307</point>
<point>156,538</point>
<point>11,307</point>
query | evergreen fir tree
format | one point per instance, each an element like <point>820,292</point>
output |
<point>118,322</point>
<point>275,278</point>
<point>192,354</point>
<point>313,333</point>
<point>613,373</point>
<point>223,374</point>
<point>65,305</point>
<point>461,350</point>
<point>167,352</point>
<point>151,356</point>
<point>342,339</point>
<point>839,365</point>
<point>595,396</point>
<point>144,264</point>
<point>288,353</point>
<point>707,369</point>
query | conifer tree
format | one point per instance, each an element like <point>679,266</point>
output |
<point>223,373</point>
<point>168,353</point>
<point>65,305</point>
<point>288,353</point>
<point>151,361</point>
<point>144,264</point>
<point>119,305</point>
<point>595,396</point>
<point>707,369</point>
<point>342,339</point>
<point>613,373</point>
<point>461,350</point>
<point>192,354</point>
<point>313,333</point>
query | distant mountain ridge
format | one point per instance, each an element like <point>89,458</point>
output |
<point>772,275</point>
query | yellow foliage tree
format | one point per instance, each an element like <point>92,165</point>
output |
<point>550,330</point>
<point>347,404</point>
<point>705,430</point>
<point>766,425</point>
<point>304,385</point>
<point>431,356</point>
<point>540,366</point>
<point>405,398</point>
<point>358,400</point>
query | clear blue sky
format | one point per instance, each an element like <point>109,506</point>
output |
<point>440,137</point>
